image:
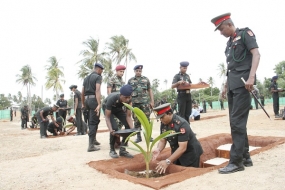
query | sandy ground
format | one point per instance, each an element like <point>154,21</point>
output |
<point>28,162</point>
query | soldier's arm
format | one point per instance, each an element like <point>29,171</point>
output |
<point>179,151</point>
<point>109,86</point>
<point>161,145</point>
<point>129,118</point>
<point>75,104</point>
<point>255,62</point>
<point>83,97</point>
<point>109,89</point>
<point>108,120</point>
<point>98,93</point>
<point>151,97</point>
<point>175,82</point>
<point>41,114</point>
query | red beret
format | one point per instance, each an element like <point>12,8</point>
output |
<point>120,67</point>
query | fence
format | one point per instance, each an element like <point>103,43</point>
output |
<point>216,104</point>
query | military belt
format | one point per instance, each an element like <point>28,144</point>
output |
<point>90,96</point>
<point>184,92</point>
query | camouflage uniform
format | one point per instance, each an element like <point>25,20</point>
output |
<point>140,98</point>
<point>115,83</point>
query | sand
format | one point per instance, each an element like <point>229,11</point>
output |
<point>28,162</point>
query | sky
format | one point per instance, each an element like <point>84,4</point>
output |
<point>161,34</point>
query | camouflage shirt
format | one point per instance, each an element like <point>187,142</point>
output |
<point>140,85</point>
<point>115,83</point>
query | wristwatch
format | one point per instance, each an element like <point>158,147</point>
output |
<point>168,161</point>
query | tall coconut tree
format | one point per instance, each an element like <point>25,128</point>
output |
<point>165,82</point>
<point>27,79</point>
<point>211,83</point>
<point>222,70</point>
<point>120,52</point>
<point>108,71</point>
<point>91,56</point>
<point>20,97</point>
<point>54,76</point>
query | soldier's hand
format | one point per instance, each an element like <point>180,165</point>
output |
<point>155,154</point>
<point>161,167</point>
<point>249,84</point>
<point>97,110</point>
<point>112,132</point>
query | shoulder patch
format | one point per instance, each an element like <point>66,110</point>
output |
<point>182,130</point>
<point>250,33</point>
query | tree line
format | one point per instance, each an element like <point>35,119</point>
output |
<point>117,52</point>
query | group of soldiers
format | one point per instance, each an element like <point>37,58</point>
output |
<point>242,56</point>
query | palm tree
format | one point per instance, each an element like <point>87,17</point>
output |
<point>27,79</point>
<point>15,99</point>
<point>200,80</point>
<point>211,83</point>
<point>119,51</point>
<point>91,56</point>
<point>54,75</point>
<point>20,97</point>
<point>10,96</point>
<point>107,72</point>
<point>222,70</point>
<point>165,81</point>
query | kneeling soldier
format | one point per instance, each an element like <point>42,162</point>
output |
<point>185,148</point>
<point>113,106</point>
<point>55,127</point>
<point>70,119</point>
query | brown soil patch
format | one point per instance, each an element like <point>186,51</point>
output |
<point>211,117</point>
<point>33,129</point>
<point>102,130</point>
<point>73,133</point>
<point>175,174</point>
<point>70,134</point>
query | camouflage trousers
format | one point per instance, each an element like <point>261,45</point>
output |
<point>119,123</point>
<point>145,108</point>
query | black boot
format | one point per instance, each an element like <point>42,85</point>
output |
<point>91,146</point>
<point>113,153</point>
<point>139,138</point>
<point>123,151</point>
<point>96,142</point>
<point>247,162</point>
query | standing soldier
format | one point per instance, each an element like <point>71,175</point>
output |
<point>142,96</point>
<point>11,114</point>
<point>44,121</point>
<point>275,95</point>
<point>184,96</point>
<point>242,57</point>
<point>114,85</point>
<point>91,99</point>
<point>24,117</point>
<point>262,99</point>
<point>77,109</point>
<point>62,103</point>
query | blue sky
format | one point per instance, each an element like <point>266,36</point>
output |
<point>162,33</point>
